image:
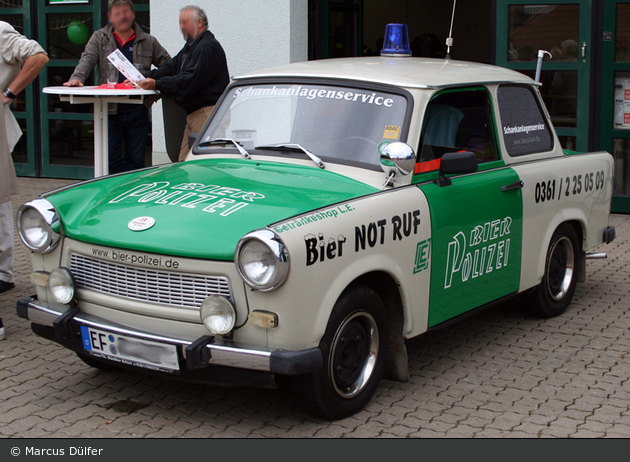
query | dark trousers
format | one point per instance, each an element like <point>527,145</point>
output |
<point>129,127</point>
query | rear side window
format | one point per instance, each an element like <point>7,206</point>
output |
<point>523,125</point>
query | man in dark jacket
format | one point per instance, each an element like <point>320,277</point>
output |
<point>197,76</point>
<point>128,123</point>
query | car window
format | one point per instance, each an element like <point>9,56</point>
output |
<point>456,121</point>
<point>523,124</point>
<point>337,123</point>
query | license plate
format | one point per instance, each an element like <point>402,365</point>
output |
<point>131,351</point>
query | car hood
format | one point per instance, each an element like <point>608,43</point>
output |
<point>200,208</point>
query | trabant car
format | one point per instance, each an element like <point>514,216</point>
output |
<point>328,212</point>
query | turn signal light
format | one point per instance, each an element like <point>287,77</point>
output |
<point>40,278</point>
<point>263,319</point>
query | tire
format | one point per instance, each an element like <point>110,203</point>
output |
<point>98,364</point>
<point>353,352</point>
<point>555,292</point>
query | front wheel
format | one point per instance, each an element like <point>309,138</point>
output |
<point>555,292</point>
<point>353,348</point>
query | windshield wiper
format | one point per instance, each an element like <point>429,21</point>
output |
<point>218,141</point>
<point>294,148</point>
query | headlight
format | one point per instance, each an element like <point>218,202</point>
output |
<point>262,260</point>
<point>61,284</point>
<point>218,315</point>
<point>35,222</point>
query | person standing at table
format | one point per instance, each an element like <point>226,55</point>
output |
<point>127,123</point>
<point>197,76</point>
<point>21,60</point>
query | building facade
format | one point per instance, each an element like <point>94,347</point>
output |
<point>585,83</point>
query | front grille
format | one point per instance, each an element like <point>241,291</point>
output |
<point>165,287</point>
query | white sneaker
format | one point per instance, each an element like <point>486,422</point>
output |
<point>2,334</point>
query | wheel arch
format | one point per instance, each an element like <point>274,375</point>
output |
<point>388,290</point>
<point>576,219</point>
<point>580,258</point>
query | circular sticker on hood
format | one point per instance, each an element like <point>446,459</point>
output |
<point>141,223</point>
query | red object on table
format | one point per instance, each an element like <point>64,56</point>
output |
<point>117,86</point>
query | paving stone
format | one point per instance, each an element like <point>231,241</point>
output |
<point>462,431</point>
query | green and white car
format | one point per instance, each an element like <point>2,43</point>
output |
<point>328,212</point>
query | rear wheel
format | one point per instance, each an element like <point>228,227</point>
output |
<point>555,292</point>
<point>353,357</point>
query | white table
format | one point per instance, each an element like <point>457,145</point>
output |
<point>100,98</point>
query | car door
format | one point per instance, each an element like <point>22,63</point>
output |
<point>476,220</point>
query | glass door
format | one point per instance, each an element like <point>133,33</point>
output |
<point>58,137</point>
<point>67,130</point>
<point>562,28</point>
<point>335,28</point>
<point>18,14</point>
<point>615,94</point>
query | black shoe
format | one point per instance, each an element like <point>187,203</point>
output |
<point>5,286</point>
<point>2,335</point>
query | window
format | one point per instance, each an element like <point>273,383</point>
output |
<point>525,130</point>
<point>457,121</point>
<point>337,123</point>
<point>547,27</point>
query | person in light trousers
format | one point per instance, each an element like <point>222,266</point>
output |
<point>21,60</point>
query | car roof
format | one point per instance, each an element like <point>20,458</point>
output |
<point>398,71</point>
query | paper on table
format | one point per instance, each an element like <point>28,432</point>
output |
<point>125,67</point>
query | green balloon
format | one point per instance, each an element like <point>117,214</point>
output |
<point>78,32</point>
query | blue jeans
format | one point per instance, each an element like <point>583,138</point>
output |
<point>131,126</point>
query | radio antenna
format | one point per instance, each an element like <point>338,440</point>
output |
<point>449,40</point>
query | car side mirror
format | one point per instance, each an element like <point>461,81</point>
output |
<point>454,163</point>
<point>397,158</point>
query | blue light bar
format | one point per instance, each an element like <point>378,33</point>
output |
<point>396,41</point>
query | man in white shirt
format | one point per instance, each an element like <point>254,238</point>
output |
<point>21,60</point>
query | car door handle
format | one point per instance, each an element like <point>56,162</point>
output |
<point>516,185</point>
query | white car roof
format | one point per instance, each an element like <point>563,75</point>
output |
<point>397,71</point>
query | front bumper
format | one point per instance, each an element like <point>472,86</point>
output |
<point>61,323</point>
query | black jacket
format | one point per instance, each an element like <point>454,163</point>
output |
<point>202,78</point>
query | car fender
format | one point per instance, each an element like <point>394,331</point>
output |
<point>567,198</point>
<point>373,263</point>
<point>328,252</point>
<point>572,214</point>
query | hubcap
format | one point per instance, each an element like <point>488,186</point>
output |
<point>354,353</point>
<point>560,268</point>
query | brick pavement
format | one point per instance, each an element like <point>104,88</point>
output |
<point>500,373</point>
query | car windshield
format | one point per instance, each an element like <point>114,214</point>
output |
<point>338,124</point>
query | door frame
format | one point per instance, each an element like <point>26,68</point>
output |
<point>48,169</point>
<point>608,69</point>
<point>445,219</point>
<point>319,12</point>
<point>37,115</point>
<point>581,131</point>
